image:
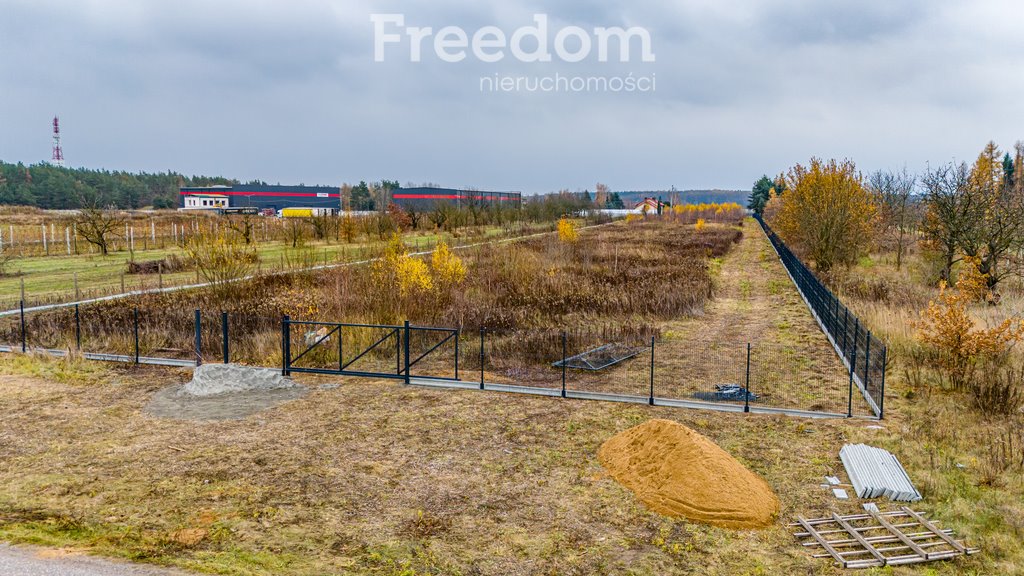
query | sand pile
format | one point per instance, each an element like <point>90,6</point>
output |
<point>678,472</point>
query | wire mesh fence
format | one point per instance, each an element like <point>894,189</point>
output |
<point>589,362</point>
<point>862,353</point>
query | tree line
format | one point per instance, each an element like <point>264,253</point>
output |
<point>55,188</point>
<point>832,214</point>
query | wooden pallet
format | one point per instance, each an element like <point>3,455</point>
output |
<point>877,539</point>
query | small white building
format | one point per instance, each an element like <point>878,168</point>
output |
<point>205,202</point>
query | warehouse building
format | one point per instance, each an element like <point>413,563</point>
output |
<point>423,199</point>
<point>261,197</point>
<point>277,198</point>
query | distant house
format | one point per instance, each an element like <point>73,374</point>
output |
<point>204,202</point>
<point>651,205</point>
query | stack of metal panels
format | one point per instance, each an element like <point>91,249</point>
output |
<point>875,473</point>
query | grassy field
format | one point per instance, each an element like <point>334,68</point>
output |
<point>52,278</point>
<point>375,478</point>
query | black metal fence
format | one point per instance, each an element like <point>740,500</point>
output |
<point>801,377</point>
<point>862,353</point>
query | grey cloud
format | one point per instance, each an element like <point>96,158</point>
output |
<point>289,92</point>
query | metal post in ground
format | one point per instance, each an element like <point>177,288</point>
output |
<point>285,345</point>
<point>406,338</point>
<point>650,398</point>
<point>867,363</point>
<point>78,329</point>
<point>135,330</point>
<point>853,368</point>
<point>746,394</point>
<point>225,351</point>
<point>457,334</point>
<point>881,392</point>
<point>482,329</point>
<point>21,306</point>
<point>198,324</point>
<point>846,328</point>
<point>565,346</point>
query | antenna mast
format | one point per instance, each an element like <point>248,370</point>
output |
<point>58,152</point>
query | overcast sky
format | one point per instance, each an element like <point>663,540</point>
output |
<point>290,92</point>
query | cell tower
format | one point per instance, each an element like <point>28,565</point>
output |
<point>58,152</point>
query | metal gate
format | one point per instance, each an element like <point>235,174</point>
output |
<point>368,350</point>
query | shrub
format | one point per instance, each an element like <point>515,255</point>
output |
<point>947,327</point>
<point>448,268</point>
<point>999,390</point>
<point>699,226</point>
<point>567,231</point>
<point>222,257</point>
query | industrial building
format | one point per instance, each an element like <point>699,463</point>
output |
<point>261,197</point>
<point>423,199</point>
<point>274,199</point>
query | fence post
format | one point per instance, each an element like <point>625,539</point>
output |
<point>286,351</point>
<point>746,394</point>
<point>881,392</point>
<point>135,330</point>
<point>867,364</point>
<point>21,306</point>
<point>846,328</point>
<point>650,399</point>
<point>853,368</point>
<point>406,348</point>
<point>482,330</point>
<point>458,333</point>
<point>78,329</point>
<point>198,323</point>
<point>565,345</point>
<point>226,352</point>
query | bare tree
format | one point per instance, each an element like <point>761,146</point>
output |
<point>98,226</point>
<point>346,197</point>
<point>349,228</point>
<point>601,195</point>
<point>244,225</point>
<point>949,207</point>
<point>323,225</point>
<point>6,255</point>
<point>893,191</point>
<point>295,231</point>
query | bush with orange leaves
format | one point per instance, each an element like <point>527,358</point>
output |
<point>947,327</point>
<point>699,225</point>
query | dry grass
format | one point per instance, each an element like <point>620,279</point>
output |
<point>377,478</point>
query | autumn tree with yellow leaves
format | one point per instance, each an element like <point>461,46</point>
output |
<point>995,225</point>
<point>826,213</point>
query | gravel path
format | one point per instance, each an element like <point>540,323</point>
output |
<point>27,561</point>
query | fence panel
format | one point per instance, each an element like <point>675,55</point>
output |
<point>708,373</point>
<point>596,365</point>
<point>863,354</point>
<point>523,358</point>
